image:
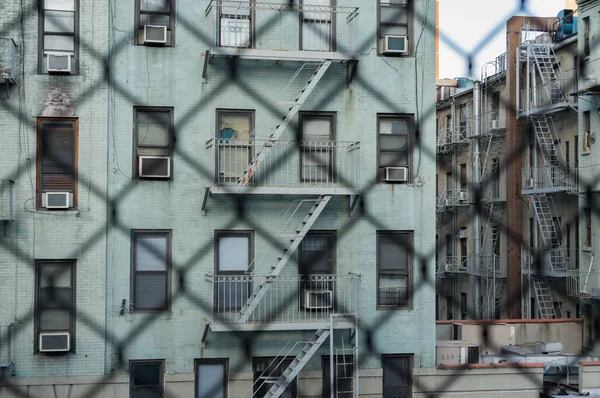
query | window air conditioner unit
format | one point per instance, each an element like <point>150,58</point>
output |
<point>462,196</point>
<point>318,299</point>
<point>58,62</point>
<point>462,233</point>
<point>396,174</point>
<point>529,183</point>
<point>55,342</point>
<point>155,166</point>
<point>494,124</point>
<point>57,200</point>
<point>155,34</point>
<point>394,44</point>
<point>448,202</point>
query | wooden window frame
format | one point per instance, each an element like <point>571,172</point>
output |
<point>409,271</point>
<point>410,143</point>
<point>42,33</point>
<point>137,110</point>
<point>409,26</point>
<point>133,363</point>
<point>72,264</point>
<point>211,361</point>
<point>410,358</point>
<point>233,233</point>
<point>39,123</point>
<point>139,28</point>
<point>332,116</point>
<point>135,233</point>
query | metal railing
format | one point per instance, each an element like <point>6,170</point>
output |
<point>6,200</point>
<point>493,121</point>
<point>449,136</point>
<point>492,265</point>
<point>583,283</point>
<point>283,26</point>
<point>557,177</point>
<point>322,164</point>
<point>493,191</point>
<point>290,298</point>
<point>453,197</point>
<point>8,60</point>
<point>548,257</point>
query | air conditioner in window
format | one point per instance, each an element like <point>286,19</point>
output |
<point>396,174</point>
<point>318,299</point>
<point>462,233</point>
<point>448,202</point>
<point>57,200</point>
<point>529,183</point>
<point>58,62</point>
<point>494,124</point>
<point>155,166</point>
<point>394,44</point>
<point>155,34</point>
<point>462,196</point>
<point>55,342</point>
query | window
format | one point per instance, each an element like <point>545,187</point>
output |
<point>59,32</point>
<point>463,176</point>
<point>316,158</point>
<point>575,149</point>
<point>234,255</point>
<point>463,249</point>
<point>576,242</point>
<point>235,24</point>
<point>586,132</point>
<point>343,383</point>
<point>57,162</point>
<point>495,177</point>
<point>394,20</point>
<point>568,231</point>
<point>394,256</point>
<point>146,379</point>
<point>464,306</point>
<point>234,129</point>
<point>394,143</point>
<point>317,28</point>
<point>151,269</point>
<point>397,376</point>
<point>496,241</point>
<point>211,378</point>
<point>449,251</point>
<point>567,153</point>
<point>586,37</point>
<point>155,13</point>
<point>588,228</point>
<point>462,119</point>
<point>153,142</point>
<point>55,299</point>
<point>495,106</point>
<point>449,308</point>
<point>266,373</point>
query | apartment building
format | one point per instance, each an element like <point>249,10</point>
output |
<point>237,198</point>
<point>53,189</point>
<point>517,129</point>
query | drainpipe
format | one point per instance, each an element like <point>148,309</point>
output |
<point>453,231</point>
<point>477,186</point>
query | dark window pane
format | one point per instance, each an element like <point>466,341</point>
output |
<point>393,252</point>
<point>54,319</point>
<point>147,392</point>
<point>151,253</point>
<point>150,291</point>
<point>396,376</point>
<point>153,128</point>
<point>155,5</point>
<point>55,298</point>
<point>210,380</point>
<point>59,43</point>
<point>146,374</point>
<point>394,15</point>
<point>59,21</point>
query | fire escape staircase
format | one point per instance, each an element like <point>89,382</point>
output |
<point>261,290</point>
<point>292,112</point>
<point>298,363</point>
<point>546,216</point>
<point>546,297</point>
<point>545,59</point>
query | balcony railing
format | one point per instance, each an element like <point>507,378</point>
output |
<point>551,261</point>
<point>559,177</point>
<point>452,197</point>
<point>288,164</point>
<point>493,122</point>
<point>550,94</point>
<point>8,60</point>
<point>448,137</point>
<point>290,298</point>
<point>584,284</point>
<point>488,265</point>
<point>244,25</point>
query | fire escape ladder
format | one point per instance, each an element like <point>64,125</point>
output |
<point>546,216</point>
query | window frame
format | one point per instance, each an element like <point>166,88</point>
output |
<point>251,21</point>
<point>212,361</point>
<point>219,112</point>
<point>332,26</point>
<point>41,40</point>
<point>218,233</point>
<point>332,117</point>
<point>72,264</point>
<point>135,233</point>
<point>409,271</point>
<point>409,27</point>
<point>137,110</point>
<point>410,358</point>
<point>139,28</point>
<point>40,121</point>
<point>133,363</point>
<point>587,243</point>
<point>293,386</point>
<point>410,144</point>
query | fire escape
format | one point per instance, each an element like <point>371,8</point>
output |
<point>541,98</point>
<point>268,296</point>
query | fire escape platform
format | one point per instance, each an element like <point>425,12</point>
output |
<point>547,190</point>
<point>547,272</point>
<point>559,107</point>
<point>338,323</point>
<point>216,190</point>
<point>281,55</point>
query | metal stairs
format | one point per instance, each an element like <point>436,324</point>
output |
<point>343,377</point>
<point>298,363</point>
<point>292,112</point>
<point>491,301</point>
<point>546,298</point>
<point>546,214</point>
<point>547,138</point>
<point>261,290</point>
<point>545,59</point>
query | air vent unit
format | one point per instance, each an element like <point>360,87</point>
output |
<point>396,174</point>
<point>58,62</point>
<point>155,166</point>
<point>55,342</point>
<point>155,34</point>
<point>394,44</point>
